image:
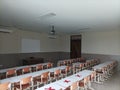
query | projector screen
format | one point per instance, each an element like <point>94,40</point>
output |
<point>30,45</point>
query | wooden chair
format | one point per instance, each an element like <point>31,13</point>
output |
<point>72,60</point>
<point>67,88</point>
<point>37,81</point>
<point>93,77</point>
<point>105,73</point>
<point>108,70</point>
<point>96,61</point>
<point>39,67</point>
<point>82,66</point>
<point>92,63</point>
<point>10,73</point>
<point>68,63</point>
<point>5,86</point>
<point>86,65</point>
<point>82,59</point>
<point>74,69</point>
<point>45,78</point>
<point>112,65</point>
<point>102,75</point>
<point>77,59</point>
<point>99,76</point>
<point>49,65</point>
<point>57,74</point>
<point>60,64</point>
<point>24,84</point>
<point>66,72</point>
<point>65,62</point>
<point>83,84</point>
<point>51,76</point>
<point>79,68</point>
<point>26,70</point>
<point>74,86</point>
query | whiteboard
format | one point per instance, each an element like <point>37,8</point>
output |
<point>30,45</point>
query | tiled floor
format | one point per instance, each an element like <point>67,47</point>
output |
<point>113,83</point>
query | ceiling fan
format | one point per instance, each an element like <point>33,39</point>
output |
<point>52,33</point>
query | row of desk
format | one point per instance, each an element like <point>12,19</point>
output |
<point>60,84</point>
<point>78,66</point>
<point>3,71</point>
<point>105,64</point>
<point>70,61</point>
<point>20,67</point>
<point>37,73</point>
<point>105,70</point>
<point>66,82</point>
<point>33,74</point>
<point>89,63</point>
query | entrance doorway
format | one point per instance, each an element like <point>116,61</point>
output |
<point>75,46</point>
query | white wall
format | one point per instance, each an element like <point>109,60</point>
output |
<point>97,42</point>
<point>93,42</point>
<point>11,43</point>
<point>50,45</point>
<point>101,42</point>
<point>65,43</point>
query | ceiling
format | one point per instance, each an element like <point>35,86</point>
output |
<point>68,16</point>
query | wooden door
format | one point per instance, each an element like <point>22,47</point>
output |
<point>75,48</point>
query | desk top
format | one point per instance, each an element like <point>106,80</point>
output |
<point>77,64</point>
<point>100,66</point>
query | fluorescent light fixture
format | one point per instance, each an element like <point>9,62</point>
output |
<point>5,30</point>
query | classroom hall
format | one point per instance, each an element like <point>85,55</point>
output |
<point>61,33</point>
